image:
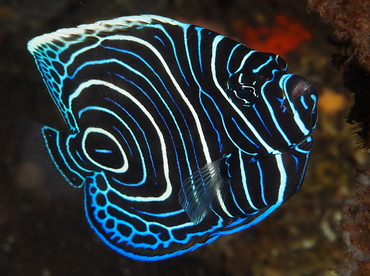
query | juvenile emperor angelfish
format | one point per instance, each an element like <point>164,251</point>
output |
<point>177,134</point>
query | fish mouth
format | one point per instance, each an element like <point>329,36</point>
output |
<point>304,98</point>
<point>301,87</point>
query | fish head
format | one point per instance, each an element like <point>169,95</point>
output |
<point>281,107</point>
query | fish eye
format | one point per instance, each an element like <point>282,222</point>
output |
<point>247,94</point>
<point>242,87</point>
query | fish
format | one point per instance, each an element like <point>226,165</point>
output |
<point>177,135</point>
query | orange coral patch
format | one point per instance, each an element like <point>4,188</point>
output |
<point>280,39</point>
<point>331,102</point>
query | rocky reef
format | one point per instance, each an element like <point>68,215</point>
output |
<point>350,22</point>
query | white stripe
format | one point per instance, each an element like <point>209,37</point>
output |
<point>242,63</point>
<point>126,22</point>
<point>237,110</point>
<point>222,204</point>
<point>244,181</point>
<point>89,130</point>
<point>207,156</point>
<point>282,83</point>
<point>178,88</point>
<point>283,178</point>
<point>168,190</point>
<point>273,116</point>
<point>165,66</point>
<point>110,112</point>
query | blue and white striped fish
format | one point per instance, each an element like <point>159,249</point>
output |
<point>177,134</point>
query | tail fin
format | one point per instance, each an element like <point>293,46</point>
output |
<point>35,169</point>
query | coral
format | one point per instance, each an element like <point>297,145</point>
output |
<point>350,21</point>
<point>351,27</point>
<point>283,37</point>
<point>355,224</point>
<point>351,24</point>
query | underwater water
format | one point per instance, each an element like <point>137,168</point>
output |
<point>43,230</point>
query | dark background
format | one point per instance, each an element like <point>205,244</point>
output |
<point>43,230</point>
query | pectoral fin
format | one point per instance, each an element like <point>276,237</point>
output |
<point>200,190</point>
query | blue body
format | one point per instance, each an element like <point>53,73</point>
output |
<point>177,134</point>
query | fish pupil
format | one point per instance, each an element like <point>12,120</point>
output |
<point>242,87</point>
<point>247,94</point>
